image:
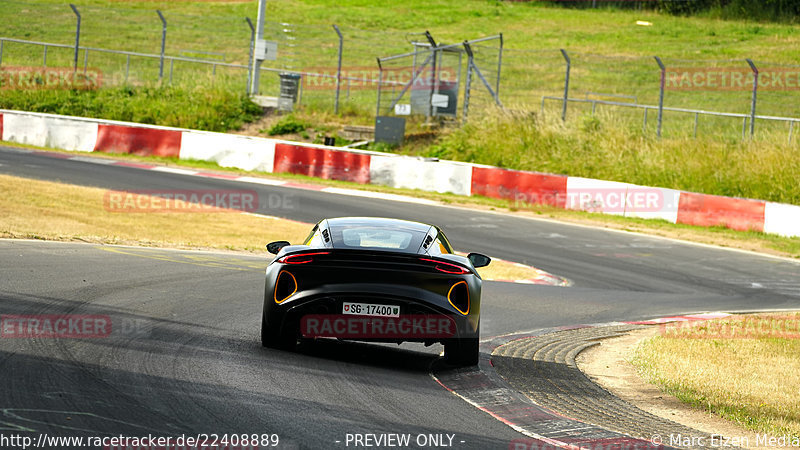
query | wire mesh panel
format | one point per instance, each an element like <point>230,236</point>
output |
<point>440,80</point>
<point>124,45</point>
<point>329,62</point>
<point>484,72</point>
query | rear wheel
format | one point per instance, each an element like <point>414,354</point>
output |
<point>273,338</point>
<point>461,352</point>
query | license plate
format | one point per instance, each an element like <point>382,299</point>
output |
<point>368,309</point>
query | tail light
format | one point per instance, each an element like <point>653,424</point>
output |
<point>300,258</point>
<point>285,286</point>
<point>453,269</point>
<point>458,296</point>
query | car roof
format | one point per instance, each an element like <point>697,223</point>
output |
<point>410,239</point>
<point>378,222</point>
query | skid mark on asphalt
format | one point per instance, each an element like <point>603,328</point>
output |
<point>203,260</point>
<point>18,414</point>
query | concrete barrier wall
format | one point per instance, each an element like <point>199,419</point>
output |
<point>49,131</point>
<point>624,199</point>
<point>271,155</point>
<point>717,211</point>
<point>520,186</point>
<point>140,141</point>
<point>417,173</point>
<point>321,162</point>
<point>242,152</point>
<point>782,219</point>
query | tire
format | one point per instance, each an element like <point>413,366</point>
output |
<point>273,338</point>
<point>461,352</point>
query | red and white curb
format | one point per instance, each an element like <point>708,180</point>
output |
<point>485,389</point>
<point>685,318</point>
<point>366,167</point>
<point>541,277</point>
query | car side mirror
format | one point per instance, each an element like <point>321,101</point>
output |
<point>479,260</point>
<point>275,247</point>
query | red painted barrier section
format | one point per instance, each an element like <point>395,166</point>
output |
<point>528,187</point>
<point>137,141</point>
<point>1,127</point>
<point>322,163</point>
<point>713,210</point>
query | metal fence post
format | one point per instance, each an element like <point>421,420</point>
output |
<point>566,85</point>
<point>77,35</point>
<point>434,52</point>
<point>163,43</point>
<point>250,59</point>
<point>468,82</point>
<point>256,64</point>
<point>661,93</point>
<point>338,70</point>
<point>1,50</point>
<point>499,66</point>
<point>754,97</point>
<point>380,82</point>
<point>644,121</point>
<point>744,126</point>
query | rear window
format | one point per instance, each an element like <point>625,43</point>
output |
<point>371,237</point>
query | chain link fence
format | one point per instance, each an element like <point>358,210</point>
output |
<point>339,70</point>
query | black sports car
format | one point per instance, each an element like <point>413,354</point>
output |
<point>374,279</point>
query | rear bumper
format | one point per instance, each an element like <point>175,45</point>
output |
<point>417,316</point>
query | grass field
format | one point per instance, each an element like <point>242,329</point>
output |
<point>743,368</point>
<point>601,147</point>
<point>611,54</point>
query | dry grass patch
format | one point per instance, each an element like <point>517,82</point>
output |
<point>55,211</point>
<point>744,368</point>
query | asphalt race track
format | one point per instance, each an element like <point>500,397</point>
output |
<point>185,358</point>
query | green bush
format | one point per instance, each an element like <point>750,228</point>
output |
<point>201,108</point>
<point>288,125</point>
<point>767,10</point>
<point>607,148</point>
<point>774,10</point>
